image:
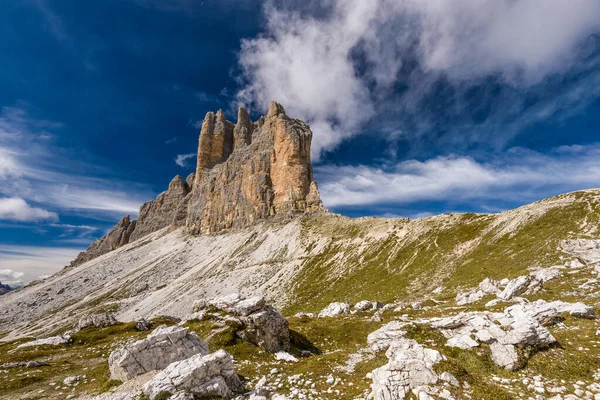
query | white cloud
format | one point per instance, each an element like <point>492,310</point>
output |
<point>17,209</point>
<point>182,159</point>
<point>518,175</point>
<point>308,60</point>
<point>29,159</point>
<point>33,261</point>
<point>12,278</point>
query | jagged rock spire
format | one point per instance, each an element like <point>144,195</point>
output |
<point>242,133</point>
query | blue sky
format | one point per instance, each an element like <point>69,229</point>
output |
<point>417,107</point>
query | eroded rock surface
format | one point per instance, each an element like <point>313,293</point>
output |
<point>245,172</point>
<point>162,347</point>
<point>205,376</point>
<point>335,309</point>
<point>97,321</point>
<point>257,322</point>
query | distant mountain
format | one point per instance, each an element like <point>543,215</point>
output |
<point>4,289</point>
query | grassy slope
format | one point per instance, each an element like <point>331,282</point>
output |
<point>409,267</point>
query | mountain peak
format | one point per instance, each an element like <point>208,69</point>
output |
<point>245,172</point>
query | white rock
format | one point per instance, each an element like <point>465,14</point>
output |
<point>515,287</point>
<point>97,321</point>
<point>489,286</point>
<point>468,298</point>
<point>448,377</point>
<point>284,356</point>
<point>54,340</point>
<point>162,347</point>
<point>335,309</point>
<point>262,324</point>
<point>382,338</point>
<point>366,305</point>
<point>202,375</point>
<point>410,366</point>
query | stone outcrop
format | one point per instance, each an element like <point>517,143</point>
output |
<point>248,172</point>
<point>204,376</point>
<point>245,172</point>
<point>253,320</point>
<point>165,345</point>
<point>4,289</point>
<point>410,367</point>
<point>335,309</point>
<point>97,321</point>
<point>115,238</point>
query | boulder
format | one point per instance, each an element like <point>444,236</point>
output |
<point>489,286</point>
<point>162,347</point>
<point>335,309</point>
<point>259,323</point>
<point>410,366</point>
<point>382,338</point>
<point>468,298</point>
<point>142,325</point>
<point>97,321</point>
<point>203,375</point>
<point>515,287</point>
<point>366,305</point>
<point>54,340</point>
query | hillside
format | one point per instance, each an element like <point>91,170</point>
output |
<point>306,263</point>
<point>237,283</point>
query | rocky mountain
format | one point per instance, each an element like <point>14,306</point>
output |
<point>238,284</point>
<point>4,289</point>
<point>245,172</point>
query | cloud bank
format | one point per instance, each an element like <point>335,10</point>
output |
<point>339,64</point>
<point>17,209</point>
<point>518,175</point>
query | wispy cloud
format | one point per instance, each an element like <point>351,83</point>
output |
<point>183,159</point>
<point>12,278</point>
<point>27,263</point>
<point>34,170</point>
<point>341,63</point>
<point>16,209</point>
<point>518,175</point>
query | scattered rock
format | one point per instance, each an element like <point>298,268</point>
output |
<point>162,347</point>
<point>284,356</point>
<point>468,298</point>
<point>305,314</point>
<point>448,377</point>
<point>335,309</point>
<point>202,375</point>
<point>97,321</point>
<point>382,338</point>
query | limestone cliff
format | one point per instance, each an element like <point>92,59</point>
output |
<point>245,172</point>
<point>259,171</point>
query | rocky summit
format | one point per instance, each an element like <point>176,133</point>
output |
<point>245,172</point>
<point>236,283</point>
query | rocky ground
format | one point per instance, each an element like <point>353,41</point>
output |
<point>456,306</point>
<point>531,337</point>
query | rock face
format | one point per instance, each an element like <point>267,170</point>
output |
<point>245,172</point>
<point>205,376</point>
<point>98,321</point>
<point>4,289</point>
<point>248,172</point>
<point>256,321</point>
<point>162,347</point>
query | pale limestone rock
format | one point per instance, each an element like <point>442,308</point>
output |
<point>366,305</point>
<point>448,377</point>
<point>410,366</point>
<point>54,340</point>
<point>203,375</point>
<point>468,298</point>
<point>515,287</point>
<point>382,338</point>
<point>162,347</point>
<point>97,321</point>
<point>259,323</point>
<point>489,286</point>
<point>335,309</point>
<point>115,238</point>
